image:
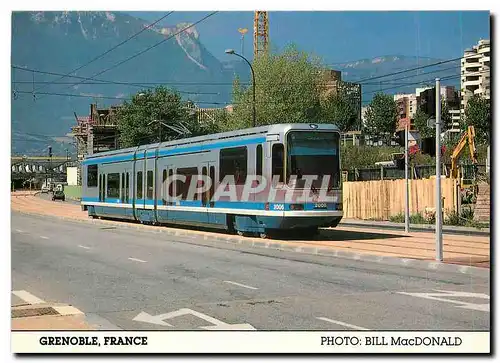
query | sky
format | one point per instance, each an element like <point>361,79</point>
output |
<point>344,36</point>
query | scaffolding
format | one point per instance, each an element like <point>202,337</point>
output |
<point>95,133</point>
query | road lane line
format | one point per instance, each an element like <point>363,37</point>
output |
<point>27,297</point>
<point>87,248</point>
<point>342,323</point>
<point>19,231</point>
<point>44,237</point>
<point>246,286</point>
<point>136,259</point>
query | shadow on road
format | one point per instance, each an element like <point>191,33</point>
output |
<point>334,235</point>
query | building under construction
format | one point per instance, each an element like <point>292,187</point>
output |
<point>334,85</point>
<point>95,133</point>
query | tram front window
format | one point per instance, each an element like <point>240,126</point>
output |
<point>313,153</point>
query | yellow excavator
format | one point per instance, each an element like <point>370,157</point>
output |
<point>467,179</point>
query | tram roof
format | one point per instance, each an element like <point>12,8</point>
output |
<point>268,129</point>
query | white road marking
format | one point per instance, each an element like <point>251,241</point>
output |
<point>67,310</point>
<point>44,237</point>
<point>217,324</point>
<point>342,323</point>
<point>19,231</point>
<point>442,294</point>
<point>27,297</point>
<point>136,259</point>
<point>246,286</point>
<point>87,248</point>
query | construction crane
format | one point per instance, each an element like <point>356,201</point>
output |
<point>467,137</point>
<point>260,33</point>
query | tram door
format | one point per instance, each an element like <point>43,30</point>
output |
<point>102,187</point>
<point>208,170</point>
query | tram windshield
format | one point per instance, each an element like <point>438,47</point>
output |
<point>313,153</point>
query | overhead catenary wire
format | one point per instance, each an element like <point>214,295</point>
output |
<point>235,103</point>
<point>100,82</point>
<point>110,97</point>
<point>147,84</point>
<point>447,78</point>
<point>413,69</point>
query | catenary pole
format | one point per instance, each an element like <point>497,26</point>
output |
<point>439,222</point>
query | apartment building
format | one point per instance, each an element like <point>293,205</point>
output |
<point>475,72</point>
<point>410,105</point>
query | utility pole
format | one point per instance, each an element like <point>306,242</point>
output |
<point>439,222</point>
<point>407,182</point>
<point>50,164</point>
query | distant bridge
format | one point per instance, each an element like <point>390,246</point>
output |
<point>39,166</point>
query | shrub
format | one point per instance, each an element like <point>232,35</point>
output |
<point>453,219</point>
<point>398,218</point>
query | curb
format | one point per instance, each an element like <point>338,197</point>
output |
<point>277,245</point>
<point>61,309</point>
<point>459,230</point>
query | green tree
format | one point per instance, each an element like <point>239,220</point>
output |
<point>477,114</point>
<point>339,110</point>
<point>381,116</point>
<point>136,119</point>
<point>420,122</point>
<point>288,88</point>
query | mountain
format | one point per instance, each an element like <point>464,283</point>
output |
<point>62,41</point>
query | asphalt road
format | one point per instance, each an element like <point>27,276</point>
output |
<point>115,275</point>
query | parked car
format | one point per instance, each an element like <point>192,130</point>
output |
<point>58,195</point>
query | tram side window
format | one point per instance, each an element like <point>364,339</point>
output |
<point>100,188</point>
<point>258,161</point>
<point>183,188</point>
<point>149,194</point>
<point>163,187</point>
<point>113,185</point>
<point>92,175</point>
<point>233,161</point>
<point>123,187</point>
<point>139,185</point>
<point>170,184</point>
<point>278,158</point>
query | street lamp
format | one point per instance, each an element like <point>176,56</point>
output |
<point>231,51</point>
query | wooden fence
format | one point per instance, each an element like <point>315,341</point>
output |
<point>380,199</point>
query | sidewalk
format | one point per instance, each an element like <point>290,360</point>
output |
<point>46,316</point>
<point>366,241</point>
<point>415,227</point>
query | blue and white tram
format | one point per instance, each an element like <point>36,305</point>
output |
<point>133,183</point>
